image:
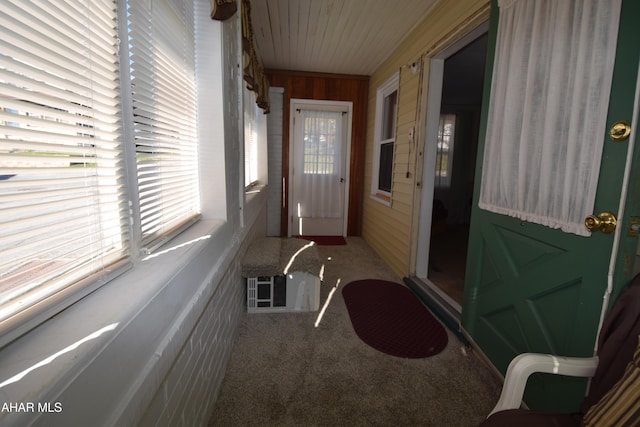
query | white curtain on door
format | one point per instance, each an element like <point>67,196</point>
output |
<point>318,164</point>
<point>547,112</point>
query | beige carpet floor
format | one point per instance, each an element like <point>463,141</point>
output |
<point>286,371</point>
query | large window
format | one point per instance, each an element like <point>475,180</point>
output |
<point>98,147</point>
<point>162,58</point>
<point>384,139</point>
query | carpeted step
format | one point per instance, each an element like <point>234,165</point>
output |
<point>300,255</point>
<point>262,258</point>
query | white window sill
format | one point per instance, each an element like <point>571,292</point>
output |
<point>120,331</point>
<point>381,198</point>
<point>252,190</point>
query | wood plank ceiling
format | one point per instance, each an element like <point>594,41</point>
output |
<point>332,36</point>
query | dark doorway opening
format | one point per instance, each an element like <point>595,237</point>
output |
<point>462,91</point>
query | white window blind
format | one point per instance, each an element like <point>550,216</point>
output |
<point>164,107</point>
<point>251,134</point>
<point>255,141</point>
<point>62,216</point>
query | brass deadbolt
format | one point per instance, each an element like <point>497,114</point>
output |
<point>605,222</point>
<point>620,130</point>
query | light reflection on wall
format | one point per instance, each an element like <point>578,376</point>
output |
<point>54,356</point>
<point>182,245</point>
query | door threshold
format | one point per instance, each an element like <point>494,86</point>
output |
<point>445,308</point>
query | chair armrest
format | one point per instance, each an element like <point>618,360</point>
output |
<point>523,365</point>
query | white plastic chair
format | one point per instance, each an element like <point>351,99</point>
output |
<point>523,365</point>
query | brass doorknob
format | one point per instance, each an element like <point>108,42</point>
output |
<point>605,222</point>
<point>620,130</point>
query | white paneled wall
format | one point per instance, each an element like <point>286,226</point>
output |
<point>328,36</point>
<point>274,143</point>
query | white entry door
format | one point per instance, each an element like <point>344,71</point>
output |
<point>319,167</point>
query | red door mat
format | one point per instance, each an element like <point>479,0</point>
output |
<point>390,318</point>
<point>325,240</point>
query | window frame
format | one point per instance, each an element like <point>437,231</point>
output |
<point>255,150</point>
<point>209,154</point>
<point>386,89</point>
<point>167,203</point>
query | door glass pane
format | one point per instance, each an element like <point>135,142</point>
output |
<point>320,147</point>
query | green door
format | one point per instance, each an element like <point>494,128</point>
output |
<point>530,288</point>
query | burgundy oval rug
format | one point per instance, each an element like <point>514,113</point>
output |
<point>390,318</point>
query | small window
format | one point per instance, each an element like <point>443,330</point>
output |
<point>444,154</point>
<point>255,141</point>
<point>384,142</point>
